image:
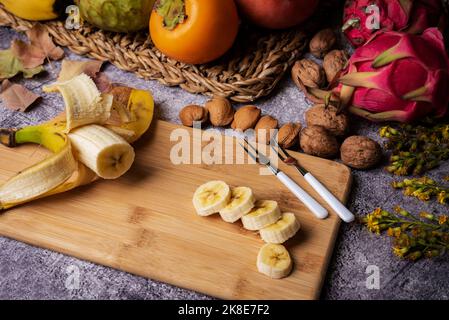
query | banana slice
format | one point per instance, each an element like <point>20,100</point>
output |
<point>241,202</point>
<point>264,213</point>
<point>211,197</point>
<point>282,230</point>
<point>274,261</point>
<point>102,151</point>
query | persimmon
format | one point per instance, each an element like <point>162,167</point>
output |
<point>194,31</point>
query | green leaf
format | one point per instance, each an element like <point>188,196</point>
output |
<point>10,66</point>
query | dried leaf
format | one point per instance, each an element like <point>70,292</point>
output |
<point>5,85</point>
<point>40,38</point>
<point>17,97</point>
<point>10,65</point>
<point>41,47</point>
<point>73,68</point>
<point>30,56</point>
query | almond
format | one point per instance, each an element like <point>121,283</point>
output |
<point>220,110</point>
<point>265,129</point>
<point>192,113</point>
<point>245,118</point>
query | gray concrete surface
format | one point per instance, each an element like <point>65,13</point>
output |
<point>27,272</point>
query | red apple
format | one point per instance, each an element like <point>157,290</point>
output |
<point>277,14</point>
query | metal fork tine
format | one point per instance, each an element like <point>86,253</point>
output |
<point>249,152</point>
<point>261,158</point>
<point>283,150</point>
<point>247,142</point>
<point>273,142</point>
<point>301,169</point>
<point>252,147</point>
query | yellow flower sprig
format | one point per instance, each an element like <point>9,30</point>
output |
<point>424,189</point>
<point>413,238</point>
<point>416,149</point>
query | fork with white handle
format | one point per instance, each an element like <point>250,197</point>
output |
<point>318,210</point>
<point>330,199</point>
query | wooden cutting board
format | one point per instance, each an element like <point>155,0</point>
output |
<point>144,223</point>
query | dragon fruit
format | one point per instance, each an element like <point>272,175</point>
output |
<point>411,16</point>
<point>397,76</point>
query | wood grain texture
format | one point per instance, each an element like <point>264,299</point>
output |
<point>144,223</point>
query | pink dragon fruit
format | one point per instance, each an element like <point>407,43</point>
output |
<point>397,76</point>
<point>411,16</point>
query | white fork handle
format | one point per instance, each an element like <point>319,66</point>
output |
<point>318,210</point>
<point>333,202</point>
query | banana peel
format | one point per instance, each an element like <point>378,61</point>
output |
<point>132,112</point>
<point>128,115</point>
<point>35,181</point>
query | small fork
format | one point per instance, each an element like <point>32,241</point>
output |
<point>318,210</point>
<point>330,199</point>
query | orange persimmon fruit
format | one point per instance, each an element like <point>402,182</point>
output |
<point>194,31</point>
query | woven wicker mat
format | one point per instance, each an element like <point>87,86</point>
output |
<point>249,71</point>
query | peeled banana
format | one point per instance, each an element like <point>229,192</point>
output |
<point>83,102</point>
<point>282,230</point>
<point>264,213</point>
<point>274,261</point>
<point>103,151</point>
<point>241,202</point>
<point>211,197</point>
<point>36,10</point>
<point>83,150</point>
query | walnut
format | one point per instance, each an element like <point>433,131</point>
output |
<point>246,117</point>
<point>264,129</point>
<point>322,43</point>
<point>333,63</point>
<point>317,141</point>
<point>310,73</point>
<point>192,113</point>
<point>327,117</point>
<point>220,110</point>
<point>288,134</point>
<point>360,152</point>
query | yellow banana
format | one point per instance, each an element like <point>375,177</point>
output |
<point>61,172</point>
<point>132,112</point>
<point>35,181</point>
<point>36,10</point>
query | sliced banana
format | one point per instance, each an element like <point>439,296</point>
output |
<point>241,202</point>
<point>282,230</point>
<point>102,151</point>
<point>274,261</point>
<point>211,197</point>
<point>264,213</point>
